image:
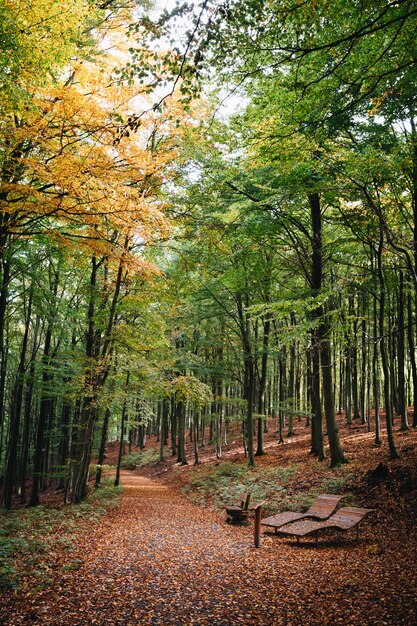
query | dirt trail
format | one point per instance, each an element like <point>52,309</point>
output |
<point>159,560</point>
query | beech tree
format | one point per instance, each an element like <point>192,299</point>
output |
<point>71,174</point>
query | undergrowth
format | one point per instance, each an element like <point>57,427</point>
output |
<point>34,541</point>
<point>279,487</point>
<point>224,483</point>
<point>139,459</point>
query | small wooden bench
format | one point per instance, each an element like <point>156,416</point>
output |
<point>239,514</point>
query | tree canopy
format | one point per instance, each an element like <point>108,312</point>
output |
<point>169,266</point>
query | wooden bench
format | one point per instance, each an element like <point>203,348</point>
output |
<point>321,509</point>
<point>239,514</point>
<point>344,519</point>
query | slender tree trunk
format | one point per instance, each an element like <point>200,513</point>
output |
<point>364,357</point>
<point>141,429</point>
<point>45,406</point>
<point>342,392</point>
<point>402,404</point>
<point>103,442</point>
<point>414,206</point>
<point>412,354</point>
<point>336,452</point>
<point>262,386</point>
<point>317,442</point>
<point>354,361</point>
<point>88,413</point>
<point>64,443</point>
<point>290,398</point>
<point>250,393</point>
<point>391,346</point>
<point>180,409</point>
<point>383,351</point>
<point>122,431</point>
<point>282,393</point>
<point>173,427</point>
<point>196,419</point>
<point>249,372</point>
<point>164,424</point>
<point>5,278</point>
<point>308,392</point>
<point>218,400</point>
<point>15,414</point>
<point>98,347</point>
<point>44,411</point>
<point>30,382</point>
<point>348,380</point>
<point>323,335</point>
<point>375,377</point>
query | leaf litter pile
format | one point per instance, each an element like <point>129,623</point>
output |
<point>161,559</point>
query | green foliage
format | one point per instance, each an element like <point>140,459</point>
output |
<point>226,481</point>
<point>31,538</point>
<point>139,459</point>
<point>191,389</point>
<point>278,486</point>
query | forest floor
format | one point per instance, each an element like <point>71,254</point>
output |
<point>161,559</point>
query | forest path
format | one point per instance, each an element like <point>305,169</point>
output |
<point>160,560</point>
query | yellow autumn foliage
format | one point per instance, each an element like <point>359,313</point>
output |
<point>67,167</point>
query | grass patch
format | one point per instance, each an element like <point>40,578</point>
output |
<point>138,459</point>
<point>34,541</point>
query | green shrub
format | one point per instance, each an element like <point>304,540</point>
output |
<point>138,459</point>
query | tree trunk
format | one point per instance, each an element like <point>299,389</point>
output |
<point>249,373</point>
<point>323,335</point>
<point>364,350</point>
<point>290,397</point>
<point>195,425</point>
<point>88,413</point>
<point>354,361</point>
<point>164,428</point>
<point>383,351</point>
<point>5,278</point>
<point>122,432</point>
<point>30,382</point>
<point>44,410</point>
<point>180,409</point>
<point>412,354</point>
<point>282,398</point>
<point>64,443</point>
<point>103,443</point>
<point>45,405</point>
<point>317,443</point>
<point>375,377</point>
<point>348,381</point>
<point>15,414</point>
<point>173,427</point>
<point>262,386</point>
<point>98,347</point>
<point>337,456</point>
<point>402,404</point>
